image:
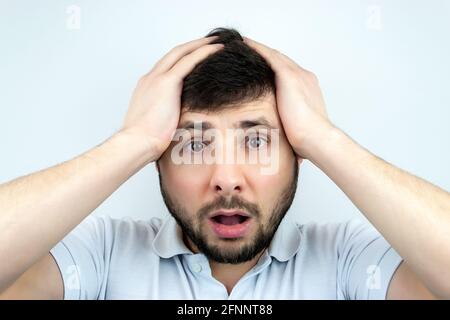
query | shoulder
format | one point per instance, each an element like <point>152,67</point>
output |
<point>333,236</point>
<point>119,230</point>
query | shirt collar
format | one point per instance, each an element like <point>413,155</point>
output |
<point>168,241</point>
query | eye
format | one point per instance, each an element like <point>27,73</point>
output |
<point>256,142</point>
<point>195,146</point>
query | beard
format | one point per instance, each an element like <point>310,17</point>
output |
<point>239,253</point>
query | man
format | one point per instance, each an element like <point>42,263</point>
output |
<point>227,236</point>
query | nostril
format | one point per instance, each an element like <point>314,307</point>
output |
<point>225,188</point>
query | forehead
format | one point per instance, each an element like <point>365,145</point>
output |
<point>228,117</point>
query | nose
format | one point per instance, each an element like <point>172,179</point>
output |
<point>227,180</point>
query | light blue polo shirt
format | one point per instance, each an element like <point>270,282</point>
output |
<point>105,258</point>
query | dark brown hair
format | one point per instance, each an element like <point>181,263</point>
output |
<point>235,74</point>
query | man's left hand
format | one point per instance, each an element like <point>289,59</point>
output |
<point>300,103</point>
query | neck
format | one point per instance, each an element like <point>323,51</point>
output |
<point>226,273</point>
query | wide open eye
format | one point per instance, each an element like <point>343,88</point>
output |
<point>255,142</point>
<point>195,146</point>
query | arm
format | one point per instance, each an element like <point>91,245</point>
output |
<point>412,214</point>
<point>38,210</point>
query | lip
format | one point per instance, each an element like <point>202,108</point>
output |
<point>228,213</point>
<point>230,231</point>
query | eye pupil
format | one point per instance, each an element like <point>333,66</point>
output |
<point>196,146</point>
<point>255,142</point>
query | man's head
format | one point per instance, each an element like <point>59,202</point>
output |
<point>229,210</point>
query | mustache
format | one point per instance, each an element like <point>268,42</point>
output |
<point>234,202</point>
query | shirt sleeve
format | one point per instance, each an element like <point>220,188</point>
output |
<point>366,262</point>
<point>80,257</point>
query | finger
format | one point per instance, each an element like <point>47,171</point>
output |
<point>171,58</point>
<point>276,59</point>
<point>187,63</point>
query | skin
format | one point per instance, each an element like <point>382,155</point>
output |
<point>38,210</point>
<point>192,186</point>
<point>411,206</point>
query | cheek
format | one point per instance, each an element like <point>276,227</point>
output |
<point>267,187</point>
<point>188,182</point>
<point>185,183</point>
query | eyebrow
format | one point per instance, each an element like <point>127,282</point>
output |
<point>195,124</point>
<point>261,121</point>
<point>244,124</point>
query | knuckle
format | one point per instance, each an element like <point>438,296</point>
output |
<point>275,51</point>
<point>312,76</point>
<point>177,47</point>
<point>167,78</point>
<point>142,79</point>
<point>146,77</point>
<point>288,70</point>
<point>274,54</point>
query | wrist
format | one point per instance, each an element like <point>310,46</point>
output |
<point>322,135</point>
<point>146,148</point>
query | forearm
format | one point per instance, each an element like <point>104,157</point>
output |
<point>38,210</point>
<point>411,213</point>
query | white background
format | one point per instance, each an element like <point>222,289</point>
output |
<point>383,66</point>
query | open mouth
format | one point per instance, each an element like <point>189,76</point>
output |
<point>230,224</point>
<point>230,220</point>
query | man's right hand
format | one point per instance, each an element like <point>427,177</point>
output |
<point>154,109</point>
<point>38,210</point>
